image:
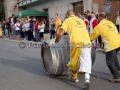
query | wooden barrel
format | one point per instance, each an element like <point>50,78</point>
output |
<point>56,58</point>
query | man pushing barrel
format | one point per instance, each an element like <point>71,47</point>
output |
<point>110,37</point>
<point>80,46</point>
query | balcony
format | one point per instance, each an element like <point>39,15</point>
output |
<point>25,3</point>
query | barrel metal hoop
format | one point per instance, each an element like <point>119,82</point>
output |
<point>57,60</point>
<point>53,56</point>
<point>62,62</point>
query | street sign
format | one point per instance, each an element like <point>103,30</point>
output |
<point>107,8</point>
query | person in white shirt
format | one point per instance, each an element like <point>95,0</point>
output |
<point>41,28</point>
<point>27,27</point>
<point>17,29</point>
<point>12,25</point>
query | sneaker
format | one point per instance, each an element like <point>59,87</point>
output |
<point>86,86</point>
<point>115,80</point>
<point>73,80</point>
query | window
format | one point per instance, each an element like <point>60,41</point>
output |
<point>78,7</point>
<point>46,10</point>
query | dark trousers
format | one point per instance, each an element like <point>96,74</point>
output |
<point>100,42</point>
<point>21,33</point>
<point>117,27</point>
<point>30,35</point>
<point>113,63</point>
<point>52,34</point>
<point>37,36</point>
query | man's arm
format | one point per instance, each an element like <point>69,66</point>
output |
<point>95,34</point>
<point>59,36</point>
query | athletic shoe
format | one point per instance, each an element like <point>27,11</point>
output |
<point>86,86</point>
<point>115,80</point>
<point>73,80</point>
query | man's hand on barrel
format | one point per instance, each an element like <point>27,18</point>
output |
<point>52,43</point>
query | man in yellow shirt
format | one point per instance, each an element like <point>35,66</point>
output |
<point>80,46</point>
<point>111,39</point>
<point>57,23</point>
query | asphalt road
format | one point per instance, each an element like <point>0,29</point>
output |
<point>21,69</point>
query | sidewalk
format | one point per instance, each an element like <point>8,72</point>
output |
<point>46,37</point>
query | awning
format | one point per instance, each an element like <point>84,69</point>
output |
<point>30,12</point>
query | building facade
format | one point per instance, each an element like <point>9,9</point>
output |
<point>57,6</point>
<point>61,6</point>
<point>9,7</point>
<point>115,5</point>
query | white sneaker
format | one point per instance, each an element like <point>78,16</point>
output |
<point>73,80</point>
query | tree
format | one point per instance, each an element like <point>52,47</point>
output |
<point>1,9</point>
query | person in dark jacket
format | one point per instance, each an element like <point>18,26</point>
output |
<point>3,27</point>
<point>7,28</point>
<point>30,35</point>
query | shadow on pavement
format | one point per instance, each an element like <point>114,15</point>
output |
<point>66,81</point>
<point>101,73</point>
<point>29,65</point>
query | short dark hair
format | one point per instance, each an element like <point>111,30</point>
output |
<point>103,15</point>
<point>56,14</point>
<point>85,15</point>
<point>93,13</point>
<point>88,11</point>
<point>52,18</point>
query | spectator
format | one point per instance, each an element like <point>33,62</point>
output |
<point>57,23</point>
<point>86,21</point>
<point>118,21</point>
<point>0,30</point>
<point>52,28</point>
<point>42,30</point>
<point>27,28</point>
<point>100,44</point>
<point>24,31</point>
<point>12,21</point>
<point>7,28</point>
<point>17,29</point>
<point>9,31</point>
<point>3,27</point>
<point>44,20</point>
<point>89,15</point>
<point>31,30</point>
<point>37,36</point>
<point>21,32</point>
<point>93,24</point>
<point>79,15</point>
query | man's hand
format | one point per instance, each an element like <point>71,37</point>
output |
<point>52,43</point>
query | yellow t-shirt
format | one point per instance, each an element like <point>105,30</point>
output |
<point>57,23</point>
<point>109,34</point>
<point>76,28</point>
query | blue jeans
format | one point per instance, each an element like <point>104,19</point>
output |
<point>24,34</point>
<point>13,31</point>
<point>6,33</point>
<point>37,36</point>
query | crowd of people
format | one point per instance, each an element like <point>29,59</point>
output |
<point>32,28</point>
<point>29,28</point>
